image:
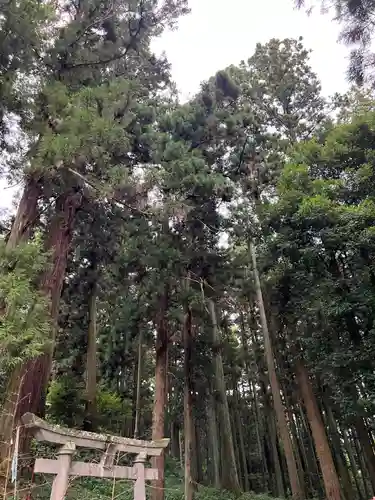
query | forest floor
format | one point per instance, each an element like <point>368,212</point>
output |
<point>100,489</point>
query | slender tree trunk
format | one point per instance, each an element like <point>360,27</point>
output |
<point>298,451</point>
<point>91,363</point>
<point>134,398</point>
<point>188,406</point>
<point>229,473</point>
<point>366,445</point>
<point>279,491</point>
<point>213,435</point>
<point>232,411</point>
<point>28,381</point>
<point>297,491</point>
<point>254,396</point>
<point>161,391</point>
<point>290,404</point>
<point>341,463</point>
<point>175,447</point>
<point>353,465</point>
<point>310,457</point>
<point>238,416</point>
<point>197,447</point>
<point>259,429</point>
<point>139,383</point>
<point>323,450</point>
<point>362,465</point>
<point>181,445</point>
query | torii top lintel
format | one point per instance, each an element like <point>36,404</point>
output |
<point>44,431</point>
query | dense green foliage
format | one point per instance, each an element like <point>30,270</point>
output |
<point>130,298</point>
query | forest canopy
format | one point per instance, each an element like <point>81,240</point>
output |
<point>199,270</point>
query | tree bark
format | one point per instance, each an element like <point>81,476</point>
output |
<point>174,447</point>
<point>28,381</point>
<point>353,465</point>
<point>362,464</point>
<point>341,462</point>
<point>296,443</point>
<point>161,391</point>
<point>254,396</point>
<point>279,485</point>
<point>229,472</point>
<point>181,446</point>
<point>364,439</point>
<point>196,450</point>
<point>310,455</point>
<point>323,450</point>
<point>297,491</point>
<point>213,435</point>
<point>188,405</point>
<point>27,213</point>
<point>238,415</point>
<point>139,383</point>
<point>91,362</point>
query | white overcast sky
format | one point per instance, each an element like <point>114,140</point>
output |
<point>221,32</point>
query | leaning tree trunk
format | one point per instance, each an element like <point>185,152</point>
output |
<point>323,450</point>
<point>229,472</point>
<point>297,491</point>
<point>27,213</point>
<point>28,381</point>
<point>161,391</point>
<point>26,216</point>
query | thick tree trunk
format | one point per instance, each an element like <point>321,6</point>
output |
<point>297,491</point>
<point>323,450</point>
<point>188,406</point>
<point>229,472</point>
<point>161,391</point>
<point>27,213</point>
<point>28,382</point>
<point>139,383</point>
<point>91,362</point>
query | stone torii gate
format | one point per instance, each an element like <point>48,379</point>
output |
<point>70,439</point>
